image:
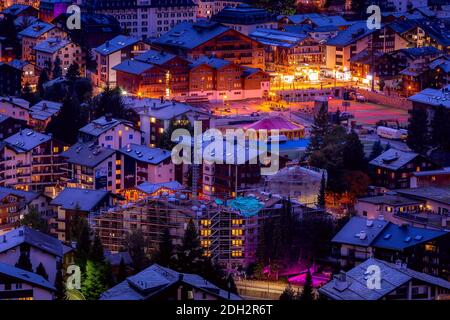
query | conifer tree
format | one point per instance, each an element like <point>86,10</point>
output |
<point>40,270</point>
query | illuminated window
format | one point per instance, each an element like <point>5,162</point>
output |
<point>205,222</point>
<point>205,233</point>
<point>161,130</point>
<point>236,232</point>
<point>152,120</point>
<point>118,162</point>
<point>389,209</point>
<point>236,253</point>
<point>206,188</point>
<point>417,169</point>
<point>55,149</point>
<point>66,148</point>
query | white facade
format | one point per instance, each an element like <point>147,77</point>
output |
<point>119,136</point>
<point>15,108</point>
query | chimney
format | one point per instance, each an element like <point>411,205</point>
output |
<point>340,281</point>
<point>4,238</point>
<point>108,117</point>
<point>162,99</point>
<point>180,277</point>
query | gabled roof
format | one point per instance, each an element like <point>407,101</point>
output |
<point>118,43</point>
<point>44,110</point>
<point>434,97</point>
<point>212,62</point>
<point>16,9</point>
<point>98,126</point>
<point>133,67</point>
<point>189,35</point>
<point>363,232</point>
<point>51,45</point>
<point>275,123</point>
<point>37,29</point>
<point>28,196</point>
<point>392,200</point>
<point>354,286</point>
<point>393,159</point>
<point>146,154</point>
<point>81,199</point>
<point>350,35</point>
<point>18,64</point>
<point>87,154</point>
<point>150,188</point>
<point>155,57</point>
<point>278,38</point>
<point>299,18</point>
<point>155,280</point>
<point>26,140</point>
<point>33,238</point>
<point>438,194</point>
<point>165,110</point>
<point>18,102</point>
<point>25,276</point>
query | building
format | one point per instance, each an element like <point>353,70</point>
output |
<point>68,52</point>
<point>15,204</point>
<point>42,113</point>
<point>393,168</point>
<point>290,129</point>
<point>157,283</point>
<point>75,203</point>
<point>32,160</point>
<point>111,53</point>
<point>154,74</point>
<point>245,18</point>
<point>10,80</point>
<point>30,74</point>
<point>291,52</point>
<point>141,164</point>
<point>403,6</point>
<point>296,182</point>
<point>423,250</point>
<point>19,10</point>
<point>36,33</point>
<point>10,126</point>
<point>432,178</point>
<point>111,133</point>
<point>18,284</point>
<point>144,19</point>
<point>38,246</point>
<point>16,108</point>
<point>91,167</point>
<point>398,283</point>
<point>50,9</point>
<point>207,38</point>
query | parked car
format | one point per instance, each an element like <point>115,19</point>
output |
<point>360,98</point>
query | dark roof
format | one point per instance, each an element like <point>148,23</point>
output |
<point>391,200</point>
<point>155,280</point>
<point>118,43</point>
<point>383,234</point>
<point>155,57</point>
<point>130,4</point>
<point>81,199</point>
<point>438,194</point>
<point>87,154</point>
<point>34,238</point>
<point>189,35</point>
<point>28,196</point>
<point>146,154</point>
<point>133,67</point>
<point>25,276</point>
<point>354,284</point>
<point>350,35</point>
<point>244,14</point>
<point>150,188</point>
<point>98,126</point>
<point>393,159</point>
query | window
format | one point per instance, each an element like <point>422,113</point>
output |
<point>108,138</point>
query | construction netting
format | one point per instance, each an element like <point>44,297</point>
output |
<point>247,206</point>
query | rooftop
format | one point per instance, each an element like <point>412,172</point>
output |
<point>434,97</point>
<point>26,140</point>
<point>36,30</point>
<point>150,188</point>
<point>244,14</point>
<point>133,67</point>
<point>155,57</point>
<point>393,159</point>
<point>391,200</point>
<point>189,35</point>
<point>353,285</point>
<point>51,45</point>
<point>87,154</point>
<point>118,43</point>
<point>163,110</point>
<point>34,238</point>
<point>18,102</point>
<point>98,126</point>
<point>278,38</point>
<point>350,35</point>
<point>155,280</point>
<point>439,194</point>
<point>25,276</point>
<point>81,199</point>
<point>146,154</point>
<point>275,123</point>
<point>44,110</point>
<point>28,196</point>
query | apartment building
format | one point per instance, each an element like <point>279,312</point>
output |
<point>50,9</point>
<point>32,160</point>
<point>68,52</point>
<point>208,38</point>
<point>16,108</point>
<point>148,19</point>
<point>36,33</point>
<point>112,53</point>
<point>29,73</point>
<point>109,132</point>
<point>9,80</point>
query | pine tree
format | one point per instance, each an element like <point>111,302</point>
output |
<point>190,253</point>
<point>319,131</point>
<point>94,283</point>
<point>57,70</point>
<point>353,153</point>
<point>34,220</point>
<point>231,285</point>
<point>96,253</point>
<point>40,270</point>
<point>288,294</point>
<point>165,252</point>
<point>59,283</point>
<point>24,262</point>
<point>73,72</point>
<point>43,78</point>
<point>440,129</point>
<point>418,130</point>
<point>122,272</point>
<point>322,192</point>
<point>307,292</point>
<point>136,245</point>
<point>377,149</point>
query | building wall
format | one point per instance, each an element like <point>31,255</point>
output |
<point>29,43</point>
<point>119,136</point>
<point>16,112</point>
<point>68,55</point>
